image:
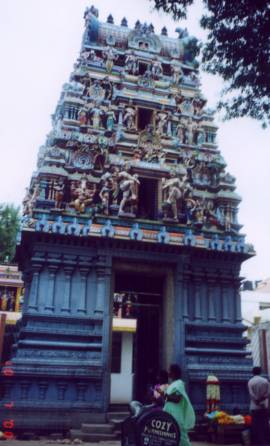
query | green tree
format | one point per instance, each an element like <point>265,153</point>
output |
<point>9,226</point>
<point>238,49</point>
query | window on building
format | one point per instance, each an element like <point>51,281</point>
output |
<point>145,117</point>
<point>116,352</point>
<point>143,45</point>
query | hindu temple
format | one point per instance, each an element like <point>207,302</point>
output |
<point>130,245</point>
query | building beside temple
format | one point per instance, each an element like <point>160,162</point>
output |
<point>130,244</point>
<point>256,314</point>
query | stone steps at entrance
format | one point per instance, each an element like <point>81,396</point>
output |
<point>97,428</point>
<point>117,416</point>
<point>94,436</point>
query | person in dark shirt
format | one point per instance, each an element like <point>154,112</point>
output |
<point>259,391</point>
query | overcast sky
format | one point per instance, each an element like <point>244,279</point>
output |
<point>39,43</point>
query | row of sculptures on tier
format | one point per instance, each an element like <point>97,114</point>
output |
<point>85,86</point>
<point>180,203</point>
<point>131,65</point>
<point>98,115</point>
<point>118,193</point>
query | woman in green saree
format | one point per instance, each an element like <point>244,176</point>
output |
<point>178,404</point>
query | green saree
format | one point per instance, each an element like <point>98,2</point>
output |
<point>182,411</point>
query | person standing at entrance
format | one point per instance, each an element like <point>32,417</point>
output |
<point>178,405</point>
<point>259,392</point>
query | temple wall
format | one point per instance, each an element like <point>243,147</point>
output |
<point>62,359</point>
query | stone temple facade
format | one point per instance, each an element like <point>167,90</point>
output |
<point>130,197</point>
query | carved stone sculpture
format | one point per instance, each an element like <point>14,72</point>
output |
<point>29,201</point>
<point>82,115</point>
<point>59,188</point>
<point>107,87</point>
<point>109,56</point>
<point>172,190</point>
<point>177,72</point>
<point>110,118</point>
<point>198,104</point>
<point>104,194</point>
<point>157,70</point>
<point>180,132</point>
<point>128,184</point>
<point>96,114</point>
<point>83,195</point>
<point>190,129</point>
<point>162,123</point>
<point>129,118</point>
<point>131,64</point>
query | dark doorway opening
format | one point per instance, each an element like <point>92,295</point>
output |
<point>145,117</point>
<point>146,292</point>
<point>147,207</point>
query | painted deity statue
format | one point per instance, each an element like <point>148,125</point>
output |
<point>58,188</point>
<point>162,123</point>
<point>110,118</point>
<point>83,196</point>
<point>109,56</point>
<point>190,129</point>
<point>157,70</point>
<point>107,86</point>
<point>131,64</point>
<point>129,187</point>
<point>105,191</point>
<point>198,104</point>
<point>29,201</point>
<point>177,72</point>
<point>173,191</point>
<point>180,132</point>
<point>82,115</point>
<point>96,114</point>
<point>129,118</point>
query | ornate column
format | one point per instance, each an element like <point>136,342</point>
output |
<point>17,299</point>
<point>120,117</point>
<point>197,300</point>
<point>211,300</point>
<point>237,307</point>
<point>50,303</point>
<point>33,293</point>
<point>225,302</point>
<point>66,306</point>
<point>82,307</point>
<point>185,299</point>
<point>102,275</point>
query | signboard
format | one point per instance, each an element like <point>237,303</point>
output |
<point>157,428</point>
<point>152,427</point>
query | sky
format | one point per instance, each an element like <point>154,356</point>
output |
<point>39,43</point>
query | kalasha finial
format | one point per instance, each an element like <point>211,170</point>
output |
<point>138,25</point>
<point>124,22</point>
<point>91,10</point>
<point>110,19</point>
<point>164,31</point>
<point>94,11</point>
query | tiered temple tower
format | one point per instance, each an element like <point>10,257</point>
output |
<point>130,190</point>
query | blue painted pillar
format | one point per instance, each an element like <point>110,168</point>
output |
<point>211,300</point>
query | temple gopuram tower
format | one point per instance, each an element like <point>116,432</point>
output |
<point>130,244</point>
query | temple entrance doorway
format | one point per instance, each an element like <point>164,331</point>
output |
<point>142,305</point>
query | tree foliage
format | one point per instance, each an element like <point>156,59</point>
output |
<point>9,226</point>
<point>238,49</point>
